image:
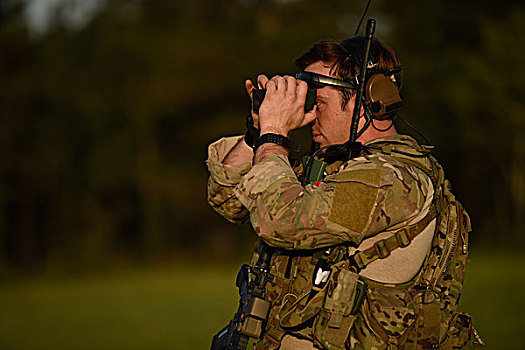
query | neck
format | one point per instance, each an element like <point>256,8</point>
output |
<point>372,133</point>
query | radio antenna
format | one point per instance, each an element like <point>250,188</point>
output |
<point>362,17</point>
<point>354,146</point>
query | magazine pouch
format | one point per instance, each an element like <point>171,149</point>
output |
<point>461,334</point>
<point>344,295</point>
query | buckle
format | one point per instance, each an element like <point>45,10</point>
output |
<point>402,238</point>
<point>355,262</point>
<point>381,249</point>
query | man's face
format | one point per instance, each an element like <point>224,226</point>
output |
<point>332,124</point>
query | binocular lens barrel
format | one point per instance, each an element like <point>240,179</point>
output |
<point>259,94</point>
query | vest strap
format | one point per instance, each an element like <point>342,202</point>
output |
<point>399,239</point>
<point>272,339</point>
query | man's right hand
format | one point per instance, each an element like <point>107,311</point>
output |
<point>241,152</point>
<point>261,83</point>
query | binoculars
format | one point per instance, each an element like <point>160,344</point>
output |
<point>315,81</point>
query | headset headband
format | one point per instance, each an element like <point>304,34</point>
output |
<point>355,46</point>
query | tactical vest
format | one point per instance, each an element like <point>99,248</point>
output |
<point>419,314</point>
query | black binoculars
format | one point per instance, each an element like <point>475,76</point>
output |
<point>315,81</point>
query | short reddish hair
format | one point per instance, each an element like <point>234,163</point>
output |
<point>344,65</point>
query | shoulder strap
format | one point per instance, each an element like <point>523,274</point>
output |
<point>399,239</point>
<point>403,237</point>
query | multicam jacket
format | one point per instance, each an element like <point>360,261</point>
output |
<point>361,206</point>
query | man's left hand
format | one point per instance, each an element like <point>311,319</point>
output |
<point>283,107</point>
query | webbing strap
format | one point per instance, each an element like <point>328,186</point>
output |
<point>272,339</point>
<point>399,239</point>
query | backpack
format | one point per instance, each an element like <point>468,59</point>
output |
<point>422,313</point>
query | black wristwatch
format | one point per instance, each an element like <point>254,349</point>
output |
<point>279,140</point>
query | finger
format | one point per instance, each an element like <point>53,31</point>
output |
<point>291,85</point>
<point>302,89</point>
<point>279,82</point>
<point>309,117</point>
<point>271,85</point>
<point>249,89</point>
<point>248,84</point>
<point>255,117</point>
<point>262,80</point>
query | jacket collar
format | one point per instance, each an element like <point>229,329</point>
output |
<point>398,142</point>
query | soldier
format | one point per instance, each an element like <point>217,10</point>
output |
<point>370,256</point>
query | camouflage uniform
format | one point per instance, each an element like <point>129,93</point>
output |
<point>364,205</point>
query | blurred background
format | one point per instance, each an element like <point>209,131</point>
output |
<point>106,111</point>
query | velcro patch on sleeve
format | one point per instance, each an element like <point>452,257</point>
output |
<point>355,194</point>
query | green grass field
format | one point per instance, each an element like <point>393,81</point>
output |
<point>181,307</point>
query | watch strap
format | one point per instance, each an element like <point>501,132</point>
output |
<point>279,140</point>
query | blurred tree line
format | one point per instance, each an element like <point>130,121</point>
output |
<point>104,128</point>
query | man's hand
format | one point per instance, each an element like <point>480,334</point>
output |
<point>241,152</point>
<point>281,111</point>
<point>283,107</point>
<point>261,82</point>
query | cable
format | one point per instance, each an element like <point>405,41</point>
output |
<point>308,165</point>
<point>385,129</point>
<point>413,128</point>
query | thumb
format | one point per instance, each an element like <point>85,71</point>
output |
<point>309,117</point>
<point>248,84</point>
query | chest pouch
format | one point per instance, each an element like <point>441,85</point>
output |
<point>328,314</point>
<point>344,294</point>
<point>297,311</point>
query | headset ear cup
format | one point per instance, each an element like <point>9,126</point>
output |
<point>375,107</point>
<point>382,96</point>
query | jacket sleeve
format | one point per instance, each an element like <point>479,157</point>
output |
<point>222,180</point>
<point>362,199</point>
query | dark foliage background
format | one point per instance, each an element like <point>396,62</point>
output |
<point>104,127</point>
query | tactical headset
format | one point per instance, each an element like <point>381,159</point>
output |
<point>381,97</point>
